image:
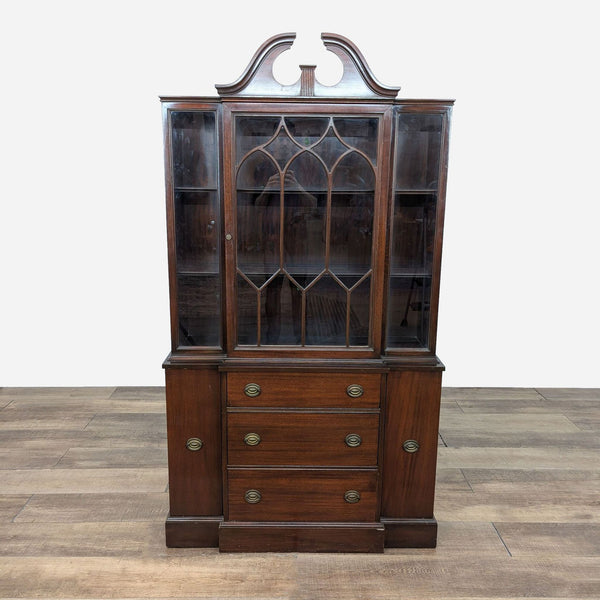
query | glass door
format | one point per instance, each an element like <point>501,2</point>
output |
<point>304,189</point>
<point>195,176</point>
<point>415,197</point>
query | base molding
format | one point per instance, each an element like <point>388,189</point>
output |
<point>410,533</point>
<point>192,532</point>
<point>300,537</point>
<point>241,536</point>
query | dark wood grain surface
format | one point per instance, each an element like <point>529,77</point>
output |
<point>309,390</point>
<point>194,411</point>
<point>298,438</point>
<point>302,494</point>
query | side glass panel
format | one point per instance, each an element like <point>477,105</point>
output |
<point>305,193</point>
<point>197,226</point>
<point>417,162</point>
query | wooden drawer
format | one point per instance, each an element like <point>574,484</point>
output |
<point>302,495</point>
<point>309,390</point>
<point>295,438</point>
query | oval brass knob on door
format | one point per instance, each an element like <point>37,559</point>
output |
<point>252,439</point>
<point>252,390</point>
<point>252,497</point>
<point>194,444</point>
<point>353,440</point>
<point>410,446</point>
<point>354,390</point>
<point>352,497</point>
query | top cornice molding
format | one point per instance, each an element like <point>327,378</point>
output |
<point>258,80</point>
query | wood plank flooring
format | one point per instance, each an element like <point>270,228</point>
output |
<point>83,498</point>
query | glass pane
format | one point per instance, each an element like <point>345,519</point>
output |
<point>418,151</point>
<point>351,238</point>
<point>304,250</point>
<point>281,313</point>
<point>197,227</point>
<point>247,317</point>
<point>197,232</point>
<point>330,148</point>
<point>413,230</point>
<point>199,302</point>
<point>354,173</point>
<point>326,313</point>
<point>307,130</point>
<point>360,298</point>
<point>281,148</point>
<point>251,132</point>
<point>258,214</point>
<point>305,207</point>
<point>408,312</point>
<point>194,147</point>
<point>359,133</point>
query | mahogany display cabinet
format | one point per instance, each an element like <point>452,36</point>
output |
<point>305,238</point>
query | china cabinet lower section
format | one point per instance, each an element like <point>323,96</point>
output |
<point>290,458</point>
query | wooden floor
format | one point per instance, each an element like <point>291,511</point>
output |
<point>83,500</point>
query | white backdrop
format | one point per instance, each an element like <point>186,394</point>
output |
<point>82,229</point>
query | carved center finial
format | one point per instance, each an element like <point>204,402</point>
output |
<point>307,80</point>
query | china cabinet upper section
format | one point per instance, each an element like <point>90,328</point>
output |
<point>305,219</point>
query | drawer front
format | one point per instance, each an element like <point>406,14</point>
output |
<point>302,439</point>
<point>311,390</point>
<point>302,495</point>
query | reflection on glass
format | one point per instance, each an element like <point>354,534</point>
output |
<point>307,130</point>
<point>330,148</point>
<point>326,307</point>
<point>197,227</point>
<point>252,132</point>
<point>305,203</point>
<point>360,310</point>
<point>359,133</point>
<point>351,238</point>
<point>281,312</point>
<point>199,302</point>
<point>194,147</point>
<point>304,217</point>
<point>418,151</point>
<point>281,148</point>
<point>408,312</point>
<point>197,232</point>
<point>413,230</point>
<point>258,211</point>
<point>247,319</point>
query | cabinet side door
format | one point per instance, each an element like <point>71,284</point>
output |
<point>194,438</point>
<point>412,415</point>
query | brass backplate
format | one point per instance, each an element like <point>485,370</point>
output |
<point>252,390</point>
<point>194,444</point>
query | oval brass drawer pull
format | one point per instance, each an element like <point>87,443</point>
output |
<point>252,439</point>
<point>355,391</point>
<point>411,446</point>
<point>353,440</point>
<point>352,497</point>
<point>252,390</point>
<point>194,444</point>
<point>252,497</point>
